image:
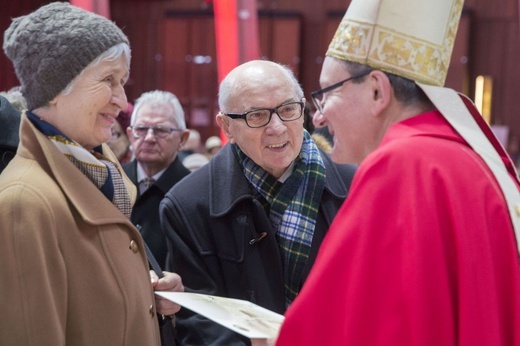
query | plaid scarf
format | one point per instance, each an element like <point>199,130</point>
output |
<point>97,168</point>
<point>292,207</point>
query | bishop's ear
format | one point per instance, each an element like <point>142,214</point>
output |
<point>381,91</point>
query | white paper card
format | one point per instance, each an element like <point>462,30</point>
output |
<point>241,316</point>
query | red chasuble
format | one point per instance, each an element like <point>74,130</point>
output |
<point>421,253</point>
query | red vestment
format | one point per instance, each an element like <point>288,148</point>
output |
<point>421,253</point>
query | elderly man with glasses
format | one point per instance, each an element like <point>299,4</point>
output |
<point>249,223</point>
<point>157,132</point>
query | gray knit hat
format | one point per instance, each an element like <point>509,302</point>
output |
<point>52,45</point>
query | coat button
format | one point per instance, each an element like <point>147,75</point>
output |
<point>133,246</point>
<point>152,311</point>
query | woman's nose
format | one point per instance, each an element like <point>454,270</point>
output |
<point>119,98</point>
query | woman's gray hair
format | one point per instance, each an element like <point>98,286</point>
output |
<point>159,97</point>
<point>111,54</point>
<point>228,86</point>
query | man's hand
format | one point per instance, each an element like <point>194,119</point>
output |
<point>170,282</point>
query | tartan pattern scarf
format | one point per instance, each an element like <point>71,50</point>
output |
<point>292,207</point>
<point>97,168</point>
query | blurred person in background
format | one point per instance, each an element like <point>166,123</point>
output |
<point>15,97</point>
<point>192,145</point>
<point>157,132</point>
<point>9,138</point>
<point>120,143</point>
<point>195,161</point>
<point>212,145</point>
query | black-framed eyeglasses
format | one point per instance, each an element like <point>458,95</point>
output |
<point>317,96</point>
<point>140,131</point>
<point>289,111</point>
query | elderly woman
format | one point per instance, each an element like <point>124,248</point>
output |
<point>73,267</point>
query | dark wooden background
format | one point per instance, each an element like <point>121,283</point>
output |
<point>173,48</point>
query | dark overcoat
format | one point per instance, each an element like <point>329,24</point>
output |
<point>222,242</point>
<point>146,208</point>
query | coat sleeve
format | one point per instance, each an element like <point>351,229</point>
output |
<point>32,271</point>
<point>185,258</point>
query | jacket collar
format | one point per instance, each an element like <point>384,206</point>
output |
<point>224,171</point>
<point>174,173</point>
<point>86,198</point>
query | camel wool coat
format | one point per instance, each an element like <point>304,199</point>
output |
<point>73,270</point>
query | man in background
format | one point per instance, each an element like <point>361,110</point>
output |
<point>192,145</point>
<point>157,132</point>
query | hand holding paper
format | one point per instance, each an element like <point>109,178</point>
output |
<point>253,321</point>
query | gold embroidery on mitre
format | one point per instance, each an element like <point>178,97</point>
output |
<point>351,41</point>
<point>407,56</point>
<point>395,52</point>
